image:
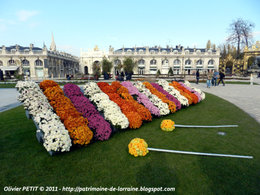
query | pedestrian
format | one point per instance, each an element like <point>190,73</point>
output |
<point>122,76</point>
<point>221,78</point>
<point>214,78</point>
<point>197,77</point>
<point>209,79</point>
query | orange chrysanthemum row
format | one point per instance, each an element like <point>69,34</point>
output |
<point>171,105</point>
<point>139,108</point>
<point>135,120</point>
<point>192,98</point>
<point>72,119</point>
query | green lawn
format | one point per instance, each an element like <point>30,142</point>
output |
<point>24,162</point>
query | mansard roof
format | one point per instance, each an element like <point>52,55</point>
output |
<point>21,48</point>
<point>168,49</point>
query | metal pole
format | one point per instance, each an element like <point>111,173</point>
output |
<point>203,126</point>
<point>199,153</point>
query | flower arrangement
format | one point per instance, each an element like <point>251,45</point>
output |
<point>193,98</point>
<point>177,87</point>
<point>174,92</point>
<point>139,108</point>
<point>73,121</point>
<point>141,98</point>
<point>55,136</point>
<point>192,91</point>
<point>134,118</point>
<point>111,110</point>
<point>97,123</point>
<point>138,147</point>
<point>171,105</point>
<point>169,96</point>
<point>167,125</point>
<point>163,107</point>
<point>202,94</point>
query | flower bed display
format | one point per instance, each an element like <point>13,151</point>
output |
<point>163,107</point>
<point>72,119</point>
<point>194,98</point>
<point>174,92</point>
<point>97,123</point>
<point>134,118</point>
<point>167,95</point>
<point>141,98</point>
<point>171,105</point>
<point>202,94</point>
<point>110,109</point>
<point>55,137</point>
<point>62,120</point>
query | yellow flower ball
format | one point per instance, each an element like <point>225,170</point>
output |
<point>167,125</point>
<point>138,147</point>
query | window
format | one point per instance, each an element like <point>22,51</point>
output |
<point>165,62</point>
<point>187,51</point>
<point>141,62</point>
<point>25,63</point>
<point>177,62</point>
<point>211,62</point>
<point>152,51</point>
<point>198,52</point>
<point>175,52</point>
<point>153,62</point>
<point>38,62</point>
<point>11,62</point>
<point>117,62</point>
<point>141,71</point>
<point>188,62</point>
<point>199,62</point>
<point>129,51</point>
<point>141,51</point>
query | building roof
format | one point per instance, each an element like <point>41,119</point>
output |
<point>21,48</point>
<point>168,49</point>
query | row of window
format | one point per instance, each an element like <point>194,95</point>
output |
<point>141,51</point>
<point>166,62</point>
<point>24,63</point>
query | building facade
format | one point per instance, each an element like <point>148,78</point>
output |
<point>37,63</point>
<point>151,59</point>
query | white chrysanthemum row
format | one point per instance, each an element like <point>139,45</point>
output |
<point>202,94</point>
<point>163,107</point>
<point>111,110</point>
<point>56,137</point>
<point>174,92</point>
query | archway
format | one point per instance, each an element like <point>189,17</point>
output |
<point>229,67</point>
<point>250,61</point>
<point>85,70</point>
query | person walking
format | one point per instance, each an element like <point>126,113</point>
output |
<point>221,78</point>
<point>209,78</point>
<point>197,77</point>
<point>215,77</point>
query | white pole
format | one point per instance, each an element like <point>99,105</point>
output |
<point>199,153</point>
<point>251,79</point>
<point>202,126</point>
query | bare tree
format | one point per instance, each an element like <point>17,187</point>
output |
<point>240,32</point>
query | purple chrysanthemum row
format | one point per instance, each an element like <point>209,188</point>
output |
<point>100,127</point>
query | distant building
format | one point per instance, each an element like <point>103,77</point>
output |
<point>37,62</point>
<point>88,58</point>
<point>151,59</point>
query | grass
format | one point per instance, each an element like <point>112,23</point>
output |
<point>24,162</point>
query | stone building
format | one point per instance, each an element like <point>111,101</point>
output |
<point>151,59</point>
<point>37,63</point>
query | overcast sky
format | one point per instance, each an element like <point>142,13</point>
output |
<point>83,24</point>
